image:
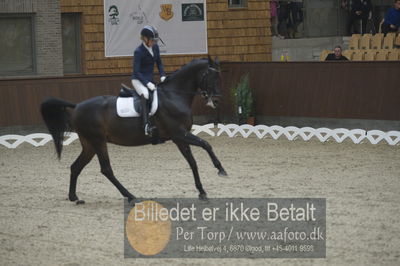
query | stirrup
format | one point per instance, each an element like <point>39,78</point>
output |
<point>148,130</point>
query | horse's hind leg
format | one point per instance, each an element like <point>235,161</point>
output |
<point>187,153</point>
<point>191,139</point>
<point>83,159</point>
<point>107,171</point>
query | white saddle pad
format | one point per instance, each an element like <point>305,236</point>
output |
<point>125,106</point>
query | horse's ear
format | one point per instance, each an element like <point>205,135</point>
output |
<point>216,61</point>
<point>210,61</point>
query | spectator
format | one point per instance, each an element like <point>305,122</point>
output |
<point>295,16</point>
<point>360,10</point>
<point>336,55</point>
<point>346,5</point>
<point>284,25</point>
<point>391,22</point>
<point>296,9</point>
<point>274,18</point>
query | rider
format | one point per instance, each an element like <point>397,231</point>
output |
<point>145,56</point>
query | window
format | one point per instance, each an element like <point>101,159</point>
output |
<point>71,42</point>
<point>237,3</point>
<point>17,51</point>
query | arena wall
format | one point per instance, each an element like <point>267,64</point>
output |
<point>343,90</point>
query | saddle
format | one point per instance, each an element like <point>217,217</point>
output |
<point>128,102</point>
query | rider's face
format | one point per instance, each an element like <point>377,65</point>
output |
<point>149,42</point>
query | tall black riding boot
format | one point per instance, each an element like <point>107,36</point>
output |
<point>148,129</point>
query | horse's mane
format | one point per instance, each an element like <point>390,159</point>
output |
<point>184,68</point>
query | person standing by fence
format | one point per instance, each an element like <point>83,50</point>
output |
<point>296,12</point>
<point>285,25</point>
<point>360,10</point>
<point>274,17</point>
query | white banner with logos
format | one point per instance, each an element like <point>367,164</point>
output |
<point>181,25</point>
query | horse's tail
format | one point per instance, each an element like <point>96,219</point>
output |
<point>57,120</point>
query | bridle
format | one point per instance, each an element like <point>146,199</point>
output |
<point>204,82</point>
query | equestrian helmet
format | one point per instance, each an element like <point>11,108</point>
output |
<point>150,32</point>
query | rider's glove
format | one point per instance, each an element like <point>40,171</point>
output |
<point>163,78</point>
<point>151,86</point>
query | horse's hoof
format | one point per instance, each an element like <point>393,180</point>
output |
<point>73,198</point>
<point>203,196</point>
<point>79,202</point>
<point>131,201</point>
<point>222,173</point>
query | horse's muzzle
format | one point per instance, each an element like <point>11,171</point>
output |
<point>213,101</point>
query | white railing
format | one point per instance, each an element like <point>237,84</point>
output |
<point>36,139</point>
<point>232,130</point>
<point>306,133</point>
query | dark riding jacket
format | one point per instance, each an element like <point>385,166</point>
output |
<point>143,64</point>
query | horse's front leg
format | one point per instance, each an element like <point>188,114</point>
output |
<point>191,139</point>
<point>187,153</point>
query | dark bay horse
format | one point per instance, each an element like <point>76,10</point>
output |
<point>96,122</point>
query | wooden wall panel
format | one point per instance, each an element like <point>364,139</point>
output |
<point>21,98</point>
<point>354,90</point>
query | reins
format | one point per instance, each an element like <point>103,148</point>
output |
<point>203,80</point>
<point>183,92</point>
<point>198,92</point>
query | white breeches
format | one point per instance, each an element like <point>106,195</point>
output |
<point>140,88</point>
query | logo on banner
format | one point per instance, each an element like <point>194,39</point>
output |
<point>166,12</point>
<point>139,16</point>
<point>192,12</point>
<point>113,15</point>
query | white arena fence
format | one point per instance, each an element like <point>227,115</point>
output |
<point>233,130</point>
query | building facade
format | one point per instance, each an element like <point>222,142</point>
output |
<point>46,38</point>
<point>31,41</point>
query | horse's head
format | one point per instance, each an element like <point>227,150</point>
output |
<point>209,84</point>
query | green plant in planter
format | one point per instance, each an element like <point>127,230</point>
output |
<point>243,98</point>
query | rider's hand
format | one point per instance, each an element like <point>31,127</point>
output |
<point>151,86</point>
<point>163,78</point>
